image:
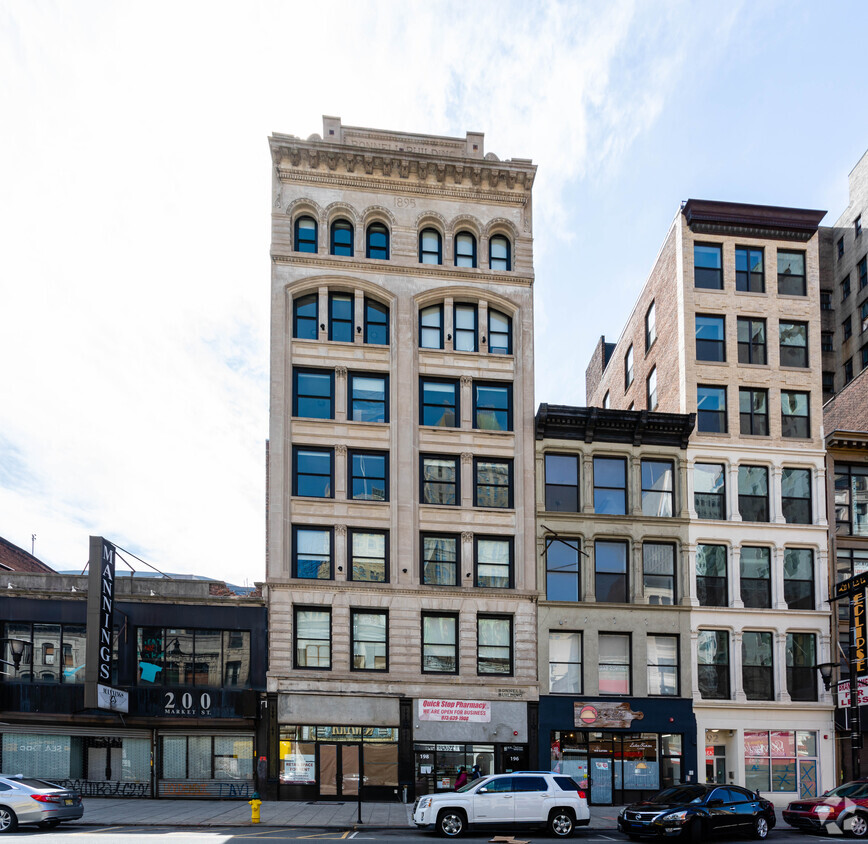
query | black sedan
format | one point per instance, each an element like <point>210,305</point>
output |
<point>696,812</point>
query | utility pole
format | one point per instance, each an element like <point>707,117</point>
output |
<point>32,544</point>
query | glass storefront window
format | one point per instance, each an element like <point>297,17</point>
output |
<point>770,761</point>
<point>175,656</point>
<point>197,758</point>
<point>52,653</point>
<point>437,764</point>
<point>236,658</point>
<point>37,755</point>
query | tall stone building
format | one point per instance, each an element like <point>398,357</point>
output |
<point>727,327</point>
<point>400,575</point>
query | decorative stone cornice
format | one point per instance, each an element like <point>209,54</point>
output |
<point>356,587</point>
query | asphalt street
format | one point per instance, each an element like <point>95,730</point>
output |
<point>233,835</point>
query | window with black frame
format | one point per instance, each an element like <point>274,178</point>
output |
<point>651,389</point>
<point>749,275</point>
<point>500,253</point>
<point>799,578</point>
<point>43,652</point>
<point>709,490</point>
<point>342,234</point>
<point>610,566</point>
<point>708,266</point>
<point>793,338</point>
<point>465,336</point>
<point>492,407</point>
<point>757,665</point>
<point>563,569</point>
<point>377,242</point>
<point>493,483</point>
<point>368,397</point>
<point>438,405</point>
<point>493,562</point>
<point>796,495</point>
<point>565,662</point>
<point>710,338</point>
<point>465,250</point>
<point>305,315</point>
<point>753,493</point>
<point>851,499</point>
<point>610,485</point>
<point>370,640</point>
<point>430,247</point>
<point>561,483</point>
<point>494,645</point>
<point>711,580</point>
<point>795,414</point>
<point>341,307</point>
<point>662,666</point>
<point>305,234</point>
<point>312,552</point>
<point>711,409</point>
<point>791,274</point>
<point>376,323</point>
<point>801,662</point>
<point>176,656</point>
<point>650,326</point>
<point>368,475</point>
<point>614,665</point>
<point>751,333</point>
<point>313,475</point>
<point>431,327</point>
<point>312,636</point>
<point>369,556</point>
<point>658,564</point>
<point>753,407</point>
<point>657,488</point>
<point>499,333</point>
<point>440,480</point>
<point>628,368</point>
<point>440,559</point>
<point>713,664</point>
<point>313,393</point>
<point>755,577</point>
<point>439,643</point>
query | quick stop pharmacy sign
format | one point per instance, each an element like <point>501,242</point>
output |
<point>463,711</point>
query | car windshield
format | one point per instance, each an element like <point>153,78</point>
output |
<point>681,794</point>
<point>39,785</point>
<point>852,790</point>
<point>470,785</point>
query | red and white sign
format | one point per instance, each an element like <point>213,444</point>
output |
<point>465,711</point>
<point>844,693</point>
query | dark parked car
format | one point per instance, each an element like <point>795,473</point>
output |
<point>698,811</point>
<point>843,809</point>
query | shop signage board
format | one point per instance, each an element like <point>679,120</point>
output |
<point>844,693</point>
<point>464,711</point>
<point>299,768</point>
<point>113,699</point>
<point>604,713</point>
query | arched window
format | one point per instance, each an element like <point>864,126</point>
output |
<point>342,238</point>
<point>431,327</point>
<point>305,234</point>
<point>377,245</point>
<point>465,250</point>
<point>499,333</point>
<point>376,323</point>
<point>500,253</point>
<point>305,316</point>
<point>430,247</point>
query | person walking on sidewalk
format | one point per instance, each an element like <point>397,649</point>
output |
<point>475,773</point>
<point>461,779</point>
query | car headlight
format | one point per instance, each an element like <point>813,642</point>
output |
<point>675,817</point>
<point>425,802</point>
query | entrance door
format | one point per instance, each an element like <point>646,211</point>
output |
<point>601,780</point>
<point>339,770</point>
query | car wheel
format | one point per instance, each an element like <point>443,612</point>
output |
<point>451,823</point>
<point>857,826</point>
<point>561,823</point>
<point>761,828</point>
<point>8,821</point>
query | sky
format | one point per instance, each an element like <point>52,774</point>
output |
<point>135,209</point>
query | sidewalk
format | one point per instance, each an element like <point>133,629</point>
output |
<point>102,811</point>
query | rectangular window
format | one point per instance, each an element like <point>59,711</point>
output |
<point>794,343</point>
<point>493,562</point>
<point>439,403</point>
<point>431,327</point>
<point>799,578</point>
<point>369,554</point>
<point>863,315</point>
<point>865,356</point>
<point>791,274</point>
<point>749,275</point>
<point>751,341</point>
<point>651,389</point>
<point>628,368</point>
<point>341,307</point>
<point>851,499</point>
<point>857,226</point>
<point>848,370</point>
<point>845,288</point>
<point>370,638</point>
<point>708,266</point>
<point>658,565</point>
<point>756,583</point>
<point>711,588</point>
<point>862,269</point>
<point>313,638</point>
<point>801,659</point>
<point>757,665</point>
<point>368,398</point>
<point>650,327</point>
<point>711,410</point>
<point>847,328</point>
<point>439,643</point>
<point>376,323</point>
<point>753,407</point>
<point>610,564</point>
<point>439,559</point>
<point>305,312</point>
<point>563,569</point>
<point>709,490</point>
<point>825,301</point>
<point>710,338</point>
<point>493,483</point>
<point>663,665</point>
<point>313,553</point>
<point>614,663</point>
<point>494,645</point>
<point>713,668</point>
<point>499,333</point>
<point>795,414</point>
<point>753,493</point>
<point>610,485</point>
<point>840,247</point>
<point>657,487</point>
<point>465,328</point>
<point>562,483</point>
<point>796,496</point>
<point>492,407</point>
<point>368,473</point>
<point>565,662</point>
<point>827,343</point>
<point>313,475</point>
<point>440,480</point>
<point>313,393</point>
<point>828,382</point>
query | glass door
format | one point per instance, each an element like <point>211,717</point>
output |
<point>339,770</point>
<point>327,770</point>
<point>601,768</point>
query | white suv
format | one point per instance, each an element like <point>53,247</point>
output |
<point>538,798</point>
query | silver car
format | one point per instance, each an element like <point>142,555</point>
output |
<point>29,800</point>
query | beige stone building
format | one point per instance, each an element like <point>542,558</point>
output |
<point>728,327</point>
<point>400,573</point>
<point>616,696</point>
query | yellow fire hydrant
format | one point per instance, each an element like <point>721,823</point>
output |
<point>255,803</point>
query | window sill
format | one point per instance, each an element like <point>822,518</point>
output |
<point>755,365</point>
<point>716,434</point>
<point>712,362</point>
<point>805,368</point>
<point>763,293</point>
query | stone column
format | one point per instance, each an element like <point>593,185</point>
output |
<point>735,577</point>
<point>359,317</point>
<point>340,394</point>
<point>634,487</point>
<point>342,557</point>
<point>465,569</point>
<point>483,326</point>
<point>466,401</point>
<point>818,494</point>
<point>694,657</point>
<point>340,469</point>
<point>467,479</point>
<point>776,515</point>
<point>323,313</point>
<point>736,667</point>
<point>782,695</point>
<point>587,482</point>
<point>448,332</point>
<point>688,558</point>
<point>636,573</point>
<point>777,574</point>
<point>684,489</point>
<point>732,495</point>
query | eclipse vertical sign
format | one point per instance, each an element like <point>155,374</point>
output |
<point>98,693</point>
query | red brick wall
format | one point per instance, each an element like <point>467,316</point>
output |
<point>17,559</point>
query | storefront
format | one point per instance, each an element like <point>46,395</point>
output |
<point>644,745</point>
